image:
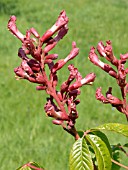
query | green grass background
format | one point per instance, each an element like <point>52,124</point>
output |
<point>26,134</point>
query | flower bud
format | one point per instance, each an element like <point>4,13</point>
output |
<point>35,66</point>
<point>61,21</point>
<point>58,65</point>
<point>50,46</point>
<point>100,97</point>
<point>34,32</point>
<point>89,79</point>
<point>52,56</point>
<point>75,85</point>
<point>57,122</point>
<point>13,29</point>
<point>124,57</point>
<point>40,87</point>
<point>20,72</point>
<point>26,67</point>
<point>101,49</point>
<point>40,79</point>
<point>74,52</point>
<point>94,58</point>
<point>22,54</point>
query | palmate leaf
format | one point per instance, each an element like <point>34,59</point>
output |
<point>116,127</point>
<point>80,156</point>
<point>101,151</point>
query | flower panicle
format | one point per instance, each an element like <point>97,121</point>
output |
<point>61,104</point>
<point>119,73</point>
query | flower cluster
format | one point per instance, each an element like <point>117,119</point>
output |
<point>61,104</point>
<point>119,73</point>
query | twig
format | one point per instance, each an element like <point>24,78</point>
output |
<point>119,164</point>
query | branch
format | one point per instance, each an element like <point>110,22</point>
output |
<point>119,164</point>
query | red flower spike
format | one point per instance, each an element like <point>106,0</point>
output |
<point>13,29</point>
<point>61,105</point>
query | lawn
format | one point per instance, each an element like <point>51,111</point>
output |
<point>26,134</point>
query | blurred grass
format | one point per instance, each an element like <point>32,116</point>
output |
<point>26,133</point>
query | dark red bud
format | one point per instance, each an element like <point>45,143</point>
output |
<point>35,66</point>
<point>22,54</point>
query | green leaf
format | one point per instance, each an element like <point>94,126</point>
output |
<point>104,139</point>
<point>116,127</point>
<point>30,166</point>
<point>126,145</point>
<point>101,151</point>
<point>80,156</point>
